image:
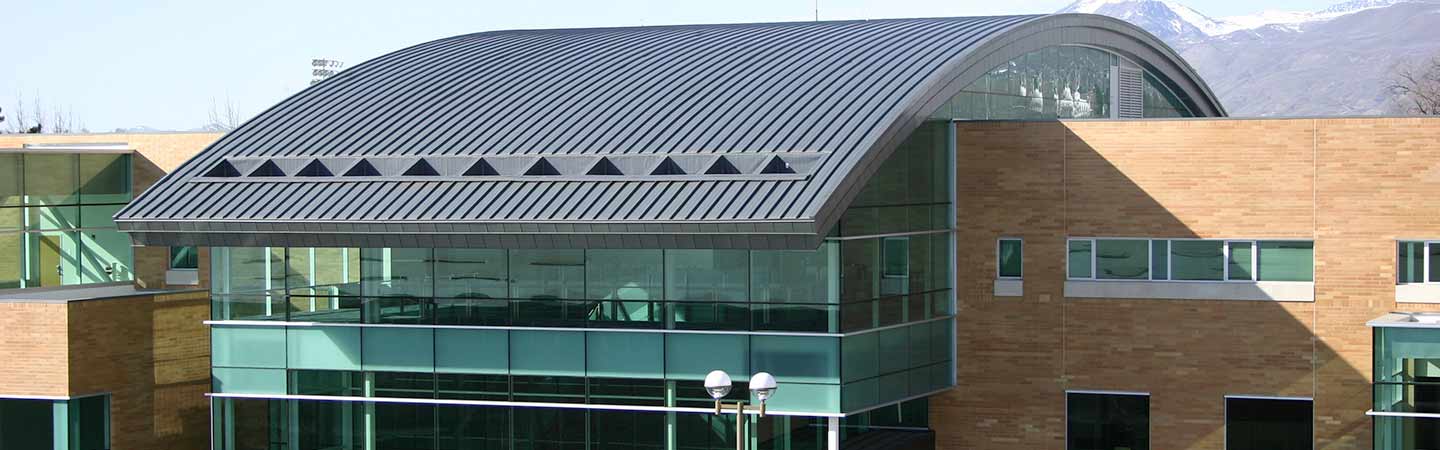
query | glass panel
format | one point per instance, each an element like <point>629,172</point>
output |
<point>236,380</point>
<point>11,263</point>
<point>397,272</point>
<point>1079,258</point>
<point>244,424</point>
<point>707,275</point>
<point>1107,422</point>
<point>1406,433</point>
<point>337,383</point>
<point>51,179</point>
<point>10,190</point>
<point>473,387</point>
<point>797,359</point>
<point>626,285</point>
<point>91,415</point>
<point>472,351</point>
<point>54,259</point>
<point>549,389</point>
<point>333,348</point>
<point>404,426</point>
<point>105,257</point>
<point>329,425</point>
<point>399,349</point>
<point>1197,260</point>
<point>547,353</point>
<point>1434,274</point>
<point>1159,260</point>
<point>1122,259</point>
<point>1268,424</point>
<point>692,356</point>
<point>704,431</point>
<point>790,276</point>
<point>52,217</point>
<point>104,178</point>
<point>184,258</point>
<point>1410,262</point>
<point>471,273</point>
<point>473,428</point>
<point>26,424</point>
<point>627,391</point>
<point>548,286</point>
<point>99,216</point>
<point>621,430</point>
<point>549,429</point>
<point>12,219</point>
<point>1009,258</point>
<point>624,355</point>
<point>404,384</point>
<point>1287,261</point>
<point>261,347</point>
<point>1240,266</point>
<point>896,259</point>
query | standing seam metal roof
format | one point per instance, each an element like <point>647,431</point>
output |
<point>843,92</point>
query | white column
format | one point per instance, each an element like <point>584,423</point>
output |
<point>832,433</point>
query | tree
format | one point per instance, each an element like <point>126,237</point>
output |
<point>1415,87</point>
<point>223,118</point>
<point>58,120</point>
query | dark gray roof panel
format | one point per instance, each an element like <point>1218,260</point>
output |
<point>833,99</point>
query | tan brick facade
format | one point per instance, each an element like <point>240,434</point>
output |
<point>1352,185</point>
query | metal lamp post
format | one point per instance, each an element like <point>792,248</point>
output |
<point>718,383</point>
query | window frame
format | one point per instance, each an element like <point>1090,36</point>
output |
<point>1169,276</point>
<point>999,244</point>
<point>170,257</point>
<point>1149,424</point>
<point>1225,405</point>
<point>1424,258</point>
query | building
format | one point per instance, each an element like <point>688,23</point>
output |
<point>996,232</point>
<point>101,340</point>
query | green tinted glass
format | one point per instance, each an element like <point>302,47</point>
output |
<point>1078,259</point>
<point>51,179</point>
<point>1410,262</point>
<point>1122,259</point>
<point>1241,264</point>
<point>1159,260</point>
<point>1197,260</point>
<point>184,258</point>
<point>707,275</point>
<point>1287,261</point>
<point>104,178</point>
<point>10,191</point>
<point>1010,258</point>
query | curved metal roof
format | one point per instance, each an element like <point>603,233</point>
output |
<point>832,99</point>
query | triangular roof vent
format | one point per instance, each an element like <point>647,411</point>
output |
<point>481,169</point>
<point>777,166</point>
<point>668,167</point>
<point>314,169</point>
<point>362,169</point>
<point>542,168</point>
<point>223,170</point>
<point>604,167</point>
<point>421,169</point>
<point>722,166</point>
<point>267,169</point>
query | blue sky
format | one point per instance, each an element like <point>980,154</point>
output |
<point>159,64</point>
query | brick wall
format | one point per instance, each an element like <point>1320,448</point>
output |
<point>34,333</point>
<point>1352,185</point>
<point>151,353</point>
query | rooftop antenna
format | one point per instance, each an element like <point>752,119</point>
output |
<point>817,10</point>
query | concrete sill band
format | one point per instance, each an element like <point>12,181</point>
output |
<point>1284,291</point>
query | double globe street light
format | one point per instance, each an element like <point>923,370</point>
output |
<point>718,384</point>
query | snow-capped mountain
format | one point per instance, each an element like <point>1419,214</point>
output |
<point>1333,61</point>
<point>1173,21</point>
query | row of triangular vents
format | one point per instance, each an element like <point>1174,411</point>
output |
<point>481,168</point>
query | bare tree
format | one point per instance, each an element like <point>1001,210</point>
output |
<point>223,118</point>
<point>1415,87</point>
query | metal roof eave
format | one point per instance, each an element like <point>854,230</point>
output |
<point>780,235</point>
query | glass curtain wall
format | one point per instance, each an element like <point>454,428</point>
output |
<point>76,424</point>
<point>1065,82</point>
<point>1407,381</point>
<point>55,219</point>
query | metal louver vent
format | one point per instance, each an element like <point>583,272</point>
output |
<point>1129,93</point>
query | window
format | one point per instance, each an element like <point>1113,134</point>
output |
<point>1195,260</point>
<point>1268,423</point>
<point>1009,258</point>
<point>1107,421</point>
<point>897,257</point>
<point>184,258</point>
<point>1415,262</point>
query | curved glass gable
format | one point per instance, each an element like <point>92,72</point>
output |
<point>1064,82</point>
